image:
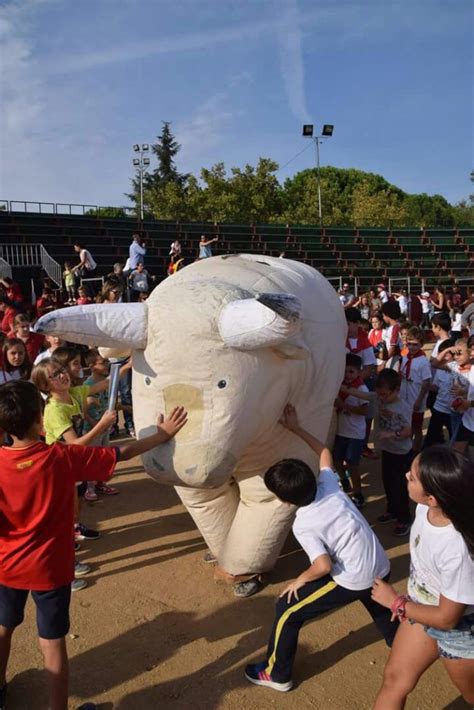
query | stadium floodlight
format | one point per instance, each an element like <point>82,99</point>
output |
<point>327,132</point>
<point>141,165</point>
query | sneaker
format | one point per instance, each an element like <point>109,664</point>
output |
<point>385,518</point>
<point>78,584</point>
<point>77,546</point>
<point>106,490</point>
<point>401,529</point>
<point>256,674</point>
<point>346,485</point>
<point>209,558</point>
<point>81,569</point>
<point>91,496</point>
<point>358,500</point>
<point>246,589</point>
<point>83,533</point>
<point>131,432</point>
<point>3,696</point>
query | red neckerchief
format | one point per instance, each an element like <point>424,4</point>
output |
<point>363,342</point>
<point>376,335</point>
<point>355,384</point>
<point>410,357</point>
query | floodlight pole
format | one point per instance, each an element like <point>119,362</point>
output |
<point>318,176</point>
<point>141,164</point>
<point>141,188</point>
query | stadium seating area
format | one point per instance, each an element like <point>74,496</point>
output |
<point>372,255</point>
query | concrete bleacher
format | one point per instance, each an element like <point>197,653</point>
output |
<point>371,255</point>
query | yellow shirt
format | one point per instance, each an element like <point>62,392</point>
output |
<point>61,416</point>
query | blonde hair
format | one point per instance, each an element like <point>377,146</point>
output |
<point>40,375</point>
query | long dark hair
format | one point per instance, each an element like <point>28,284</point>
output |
<point>25,367</point>
<point>447,475</point>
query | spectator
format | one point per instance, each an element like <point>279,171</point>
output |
<point>45,303</point>
<point>382,293</point>
<point>69,283</point>
<point>456,323</point>
<point>118,277</point>
<point>82,296</point>
<point>363,304</point>
<point>140,282</point>
<point>346,297</point>
<point>53,342</point>
<point>442,411</point>
<point>111,293</point>
<point>454,299</point>
<point>15,362</point>
<point>13,293</point>
<point>467,318</point>
<point>415,372</point>
<point>205,250</point>
<point>86,265</point>
<point>426,308</point>
<point>391,334</point>
<point>136,252</point>
<point>438,300</point>
<point>375,302</point>
<point>402,298</point>
<point>358,343</point>
<point>7,315</point>
<point>175,250</point>
<point>33,341</point>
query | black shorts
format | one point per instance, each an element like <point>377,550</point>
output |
<point>52,610</point>
<point>465,434</point>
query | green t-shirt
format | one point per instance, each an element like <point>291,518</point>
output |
<point>60,416</point>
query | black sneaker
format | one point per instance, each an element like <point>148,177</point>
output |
<point>256,674</point>
<point>385,518</point>
<point>346,485</point>
<point>246,589</point>
<point>401,529</point>
<point>81,532</point>
<point>3,696</point>
<point>358,500</point>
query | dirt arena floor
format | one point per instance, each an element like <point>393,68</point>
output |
<point>154,631</point>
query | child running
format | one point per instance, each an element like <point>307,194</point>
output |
<point>440,602</point>
<point>36,519</point>
<point>344,553</point>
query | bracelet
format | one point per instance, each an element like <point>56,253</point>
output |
<point>398,607</point>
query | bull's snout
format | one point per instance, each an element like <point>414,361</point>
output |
<point>191,398</point>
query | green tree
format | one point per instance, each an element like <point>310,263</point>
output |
<point>372,208</point>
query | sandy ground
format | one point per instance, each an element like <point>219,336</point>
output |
<point>153,630</point>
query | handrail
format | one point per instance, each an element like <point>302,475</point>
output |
<point>62,208</point>
<point>5,269</point>
<point>20,255</point>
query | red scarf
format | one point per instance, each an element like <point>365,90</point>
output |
<point>363,342</point>
<point>407,365</point>
<point>355,384</point>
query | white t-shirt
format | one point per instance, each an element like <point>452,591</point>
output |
<point>86,256</point>
<point>439,564</point>
<point>332,525</point>
<point>425,304</point>
<point>367,356</point>
<point>443,379</point>
<point>43,356</point>
<point>391,336</point>
<point>383,296</point>
<point>403,303</point>
<point>468,416</point>
<point>8,376</point>
<point>352,425</point>
<point>392,416</point>
<point>456,323</point>
<point>410,388</point>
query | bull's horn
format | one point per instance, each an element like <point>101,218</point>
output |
<point>118,325</point>
<point>250,323</point>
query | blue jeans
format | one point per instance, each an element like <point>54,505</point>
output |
<point>125,390</point>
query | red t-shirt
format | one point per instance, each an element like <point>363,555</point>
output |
<point>37,510</point>
<point>33,345</point>
<point>7,317</point>
<point>14,293</point>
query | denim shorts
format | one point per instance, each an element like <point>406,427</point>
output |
<point>348,450</point>
<point>457,642</point>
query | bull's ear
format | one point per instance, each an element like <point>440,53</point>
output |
<point>266,321</point>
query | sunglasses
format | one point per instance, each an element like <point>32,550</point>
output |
<point>58,373</point>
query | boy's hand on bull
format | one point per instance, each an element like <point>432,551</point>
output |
<point>290,419</point>
<point>173,423</point>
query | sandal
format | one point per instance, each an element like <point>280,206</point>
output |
<point>106,490</point>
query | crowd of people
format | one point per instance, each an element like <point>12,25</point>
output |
<point>55,394</point>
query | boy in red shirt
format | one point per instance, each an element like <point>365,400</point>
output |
<point>36,554</point>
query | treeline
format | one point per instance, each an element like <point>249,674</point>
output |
<point>253,194</point>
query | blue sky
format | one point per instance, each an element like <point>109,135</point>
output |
<point>82,80</point>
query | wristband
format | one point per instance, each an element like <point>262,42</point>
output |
<point>398,607</point>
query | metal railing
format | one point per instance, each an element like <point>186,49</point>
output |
<point>23,255</point>
<point>5,269</point>
<point>65,208</point>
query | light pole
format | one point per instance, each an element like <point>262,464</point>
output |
<point>141,165</point>
<point>327,132</point>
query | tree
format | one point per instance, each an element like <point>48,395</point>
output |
<point>371,208</point>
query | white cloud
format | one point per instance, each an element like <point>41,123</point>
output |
<point>290,40</point>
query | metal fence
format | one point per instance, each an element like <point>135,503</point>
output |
<point>66,208</point>
<point>24,255</point>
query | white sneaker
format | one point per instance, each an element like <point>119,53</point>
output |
<point>78,584</point>
<point>81,569</point>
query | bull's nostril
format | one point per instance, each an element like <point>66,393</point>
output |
<point>190,471</point>
<point>157,465</point>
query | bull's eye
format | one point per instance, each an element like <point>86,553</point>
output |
<point>147,381</point>
<point>221,384</point>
